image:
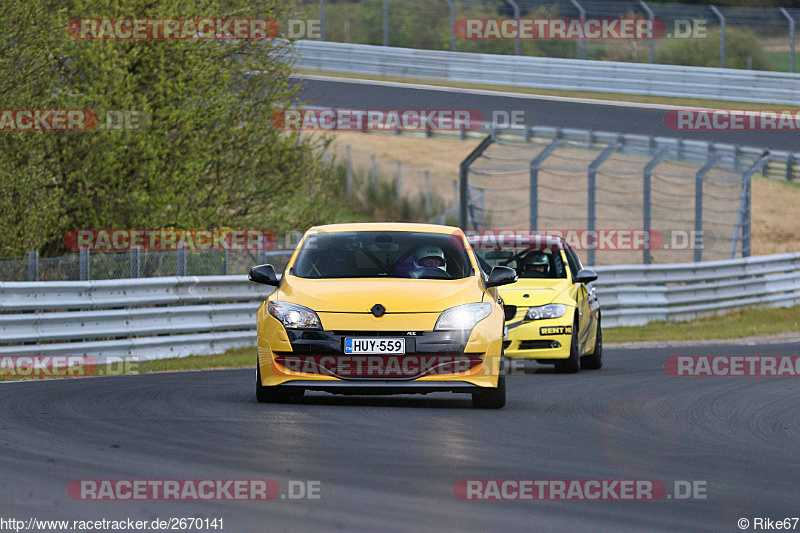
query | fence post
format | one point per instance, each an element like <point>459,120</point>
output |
<point>33,266</point>
<point>133,262</point>
<point>452,24</point>
<point>580,44</point>
<point>721,18</point>
<point>84,260</point>
<point>651,16</point>
<point>399,181</point>
<point>592,192</point>
<point>699,178</point>
<point>373,173</point>
<point>647,208</point>
<point>385,22</point>
<point>743,218</point>
<point>517,16</point>
<point>427,193</point>
<point>791,36</point>
<point>463,171</point>
<point>321,20</point>
<point>180,255</point>
<point>348,171</point>
<point>533,218</point>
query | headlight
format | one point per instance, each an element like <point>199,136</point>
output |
<point>546,311</point>
<point>463,317</point>
<point>294,316</point>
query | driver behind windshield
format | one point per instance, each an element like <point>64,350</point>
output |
<point>536,265</point>
<point>430,257</point>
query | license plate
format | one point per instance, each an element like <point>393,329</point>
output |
<point>379,345</point>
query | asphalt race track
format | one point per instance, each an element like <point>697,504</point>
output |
<point>390,463</point>
<point>618,117</point>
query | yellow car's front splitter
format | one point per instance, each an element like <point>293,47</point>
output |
<point>539,339</point>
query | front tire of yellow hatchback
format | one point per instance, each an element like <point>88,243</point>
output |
<point>572,364</point>
<point>272,394</point>
<point>493,398</point>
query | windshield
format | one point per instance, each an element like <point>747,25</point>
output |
<point>382,254</point>
<point>545,263</point>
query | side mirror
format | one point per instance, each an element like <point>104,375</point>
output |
<point>501,275</point>
<point>263,274</point>
<point>585,275</point>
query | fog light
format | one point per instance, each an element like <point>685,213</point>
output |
<point>555,344</point>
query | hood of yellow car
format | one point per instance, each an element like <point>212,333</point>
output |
<point>533,292</point>
<point>395,294</point>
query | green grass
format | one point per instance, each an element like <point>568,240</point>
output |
<point>780,60</point>
<point>594,95</point>
<point>736,325</point>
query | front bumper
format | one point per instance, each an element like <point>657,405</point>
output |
<point>433,361</point>
<point>541,340</point>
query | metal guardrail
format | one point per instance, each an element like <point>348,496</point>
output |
<point>635,295</point>
<point>154,318</point>
<point>551,73</point>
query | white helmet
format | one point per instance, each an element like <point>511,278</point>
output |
<point>430,252</point>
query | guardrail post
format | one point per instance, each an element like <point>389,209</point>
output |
<point>33,266</point>
<point>321,20</point>
<point>647,201</point>
<point>348,171</point>
<point>698,206</point>
<point>791,36</point>
<point>133,262</point>
<point>180,255</point>
<point>533,219</point>
<point>721,18</point>
<point>463,172</point>
<point>580,44</point>
<point>592,192</point>
<point>84,261</point>
<point>790,167</point>
<point>652,17</point>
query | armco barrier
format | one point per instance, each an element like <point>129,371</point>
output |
<point>153,318</point>
<point>551,73</point>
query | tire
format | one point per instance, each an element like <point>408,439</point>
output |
<point>573,363</point>
<point>273,394</point>
<point>494,398</point>
<point>594,361</point>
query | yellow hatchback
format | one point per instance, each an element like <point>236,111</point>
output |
<point>382,308</point>
<point>552,312</point>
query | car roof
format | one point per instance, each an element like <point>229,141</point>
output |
<point>385,226</point>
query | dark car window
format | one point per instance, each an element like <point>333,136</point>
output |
<point>518,260</point>
<point>378,254</point>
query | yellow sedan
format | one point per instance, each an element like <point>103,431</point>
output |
<point>552,313</point>
<point>382,308</point>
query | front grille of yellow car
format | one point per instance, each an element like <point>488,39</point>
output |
<point>538,344</point>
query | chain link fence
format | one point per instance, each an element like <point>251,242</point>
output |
<point>685,203</point>
<point>734,37</point>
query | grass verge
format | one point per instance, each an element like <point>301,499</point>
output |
<point>736,325</point>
